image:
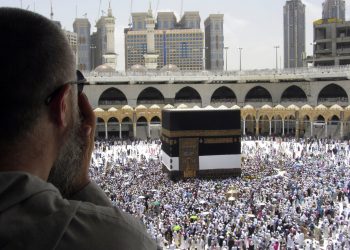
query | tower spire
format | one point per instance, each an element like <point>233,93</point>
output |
<point>150,10</point>
<point>110,9</point>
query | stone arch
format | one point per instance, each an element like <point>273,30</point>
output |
<point>305,126</point>
<point>100,119</point>
<point>290,125</point>
<point>127,127</point>
<point>126,119</point>
<point>142,127</point>
<point>293,94</point>
<point>155,127</point>
<point>306,118</point>
<point>113,120</point>
<point>112,97</point>
<point>100,127</point>
<point>276,124</point>
<point>155,120</point>
<point>320,118</point>
<point>150,95</point>
<point>250,124</point>
<point>264,125</point>
<point>332,93</point>
<point>113,127</point>
<point>258,94</point>
<point>334,118</point>
<point>188,95</point>
<point>223,95</point>
<point>141,120</point>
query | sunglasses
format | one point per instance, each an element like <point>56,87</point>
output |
<point>80,82</point>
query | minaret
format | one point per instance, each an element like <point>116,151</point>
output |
<point>110,57</point>
<point>150,57</point>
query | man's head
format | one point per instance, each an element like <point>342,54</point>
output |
<point>37,63</point>
<point>35,60</point>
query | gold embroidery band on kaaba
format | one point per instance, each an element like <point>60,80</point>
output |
<point>219,140</point>
<point>200,133</point>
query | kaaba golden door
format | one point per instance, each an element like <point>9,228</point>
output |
<point>189,159</point>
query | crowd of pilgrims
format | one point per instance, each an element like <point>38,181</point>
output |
<point>291,195</point>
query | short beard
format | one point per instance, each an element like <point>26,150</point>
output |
<point>67,166</point>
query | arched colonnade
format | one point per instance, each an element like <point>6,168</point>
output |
<point>304,121</point>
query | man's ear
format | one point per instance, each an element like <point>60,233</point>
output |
<point>60,107</point>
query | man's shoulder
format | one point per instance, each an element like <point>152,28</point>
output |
<point>106,228</point>
<point>67,224</point>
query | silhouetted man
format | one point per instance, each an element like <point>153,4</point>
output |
<point>46,136</point>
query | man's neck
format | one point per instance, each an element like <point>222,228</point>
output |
<point>28,157</point>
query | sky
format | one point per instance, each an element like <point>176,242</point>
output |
<point>254,25</point>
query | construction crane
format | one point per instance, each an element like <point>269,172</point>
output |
<point>181,9</point>
<point>157,7</point>
<point>130,17</point>
<point>51,14</point>
<point>99,11</point>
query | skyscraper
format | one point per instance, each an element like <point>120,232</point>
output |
<point>166,20</point>
<point>331,46</point>
<point>165,43</point>
<point>82,27</point>
<point>191,20</point>
<point>294,33</point>
<point>73,42</point>
<point>333,9</point>
<point>214,42</point>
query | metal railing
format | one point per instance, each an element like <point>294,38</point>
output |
<point>261,75</point>
<point>256,72</point>
<point>333,99</point>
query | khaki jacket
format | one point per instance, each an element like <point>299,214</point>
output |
<point>33,215</point>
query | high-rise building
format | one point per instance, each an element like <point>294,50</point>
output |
<point>294,33</point>
<point>166,20</point>
<point>331,43</point>
<point>73,42</point>
<point>175,45</point>
<point>214,42</point>
<point>82,27</point>
<point>333,9</point>
<point>104,48</point>
<point>139,20</point>
<point>191,20</point>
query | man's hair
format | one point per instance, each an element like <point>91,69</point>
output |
<point>35,59</point>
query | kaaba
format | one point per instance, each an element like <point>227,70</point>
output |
<point>201,143</point>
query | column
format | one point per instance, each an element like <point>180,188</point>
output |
<point>341,124</point>
<point>311,128</point>
<point>106,130</point>
<point>243,126</point>
<point>341,129</point>
<point>297,128</point>
<point>257,127</point>
<point>326,128</point>
<point>120,130</point>
<point>282,127</point>
<point>134,128</point>
<point>270,126</point>
<point>297,124</point>
<point>148,129</point>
